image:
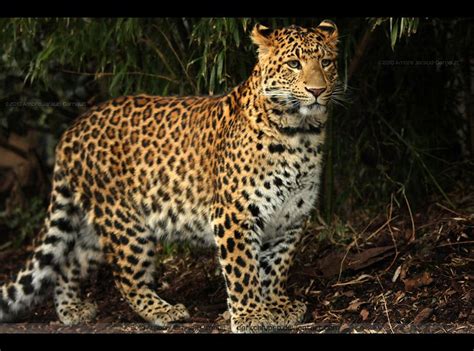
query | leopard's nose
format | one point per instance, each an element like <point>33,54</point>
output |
<point>316,91</point>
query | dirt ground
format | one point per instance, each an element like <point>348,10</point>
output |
<point>399,272</point>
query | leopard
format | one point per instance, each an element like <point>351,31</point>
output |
<point>238,172</point>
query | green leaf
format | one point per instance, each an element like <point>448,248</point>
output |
<point>220,65</point>
<point>394,35</point>
<point>212,80</point>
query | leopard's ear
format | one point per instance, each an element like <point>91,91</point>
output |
<point>261,37</point>
<point>329,29</point>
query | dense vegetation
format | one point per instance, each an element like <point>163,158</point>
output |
<point>406,129</point>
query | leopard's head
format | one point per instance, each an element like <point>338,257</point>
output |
<point>298,66</point>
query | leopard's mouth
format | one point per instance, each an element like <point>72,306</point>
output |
<point>312,110</point>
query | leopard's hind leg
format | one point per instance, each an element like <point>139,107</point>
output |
<point>82,261</point>
<point>130,249</point>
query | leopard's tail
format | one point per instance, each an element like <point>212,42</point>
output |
<point>56,240</point>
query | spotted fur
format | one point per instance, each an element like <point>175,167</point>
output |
<point>239,172</point>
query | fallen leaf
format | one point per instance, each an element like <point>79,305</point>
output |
<point>336,262</point>
<point>396,274</point>
<point>364,314</point>
<point>423,315</point>
<point>354,305</point>
<point>369,257</point>
<point>398,296</point>
<point>417,282</point>
<point>349,293</point>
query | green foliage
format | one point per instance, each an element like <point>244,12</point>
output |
<point>24,221</point>
<point>399,27</point>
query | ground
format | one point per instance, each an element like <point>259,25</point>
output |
<point>398,272</point>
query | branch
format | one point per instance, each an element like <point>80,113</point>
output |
<point>100,74</point>
<point>361,48</point>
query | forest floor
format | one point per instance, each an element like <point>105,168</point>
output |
<point>399,272</point>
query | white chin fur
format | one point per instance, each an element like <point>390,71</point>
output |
<point>313,110</point>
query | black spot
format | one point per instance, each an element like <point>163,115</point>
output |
<point>238,206</point>
<point>276,148</point>
<point>99,197</point>
<point>237,272</point>
<point>98,211</point>
<point>130,232</point>
<point>234,218</point>
<point>136,249</point>
<point>277,181</point>
<point>238,287</point>
<point>51,239</point>
<point>228,268</point>
<point>124,240</point>
<point>259,146</point>
<point>132,259</point>
<point>254,210</point>
<point>227,223</point>
<point>118,225</point>
<point>65,192</point>
<point>44,260</point>
<point>138,275</point>
<point>12,293</point>
<point>26,281</point>
<point>230,244</point>
<point>240,262</point>
<point>300,203</point>
<point>223,252</point>
<point>220,230</point>
<point>246,279</point>
<point>62,224</point>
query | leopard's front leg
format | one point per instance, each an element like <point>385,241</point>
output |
<point>239,245</point>
<point>275,261</point>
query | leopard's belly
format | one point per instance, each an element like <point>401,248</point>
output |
<point>191,224</point>
<point>280,207</point>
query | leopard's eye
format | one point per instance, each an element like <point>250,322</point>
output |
<point>325,62</point>
<point>294,64</point>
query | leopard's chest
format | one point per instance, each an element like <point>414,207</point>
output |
<point>292,195</point>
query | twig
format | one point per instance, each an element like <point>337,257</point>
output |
<point>391,234</point>
<point>358,280</point>
<point>191,81</point>
<point>458,243</point>
<point>412,238</point>
<point>99,74</point>
<point>344,258</point>
<point>151,44</point>
<point>359,52</point>
<point>449,210</point>
<point>385,304</point>
<point>368,226</point>
<point>380,229</point>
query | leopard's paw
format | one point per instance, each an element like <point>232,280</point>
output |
<point>258,321</point>
<point>76,313</point>
<point>170,314</point>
